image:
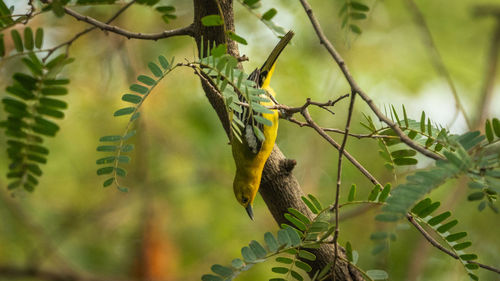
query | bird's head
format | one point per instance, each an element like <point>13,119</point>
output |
<point>245,194</point>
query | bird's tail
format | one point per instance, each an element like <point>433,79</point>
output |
<point>267,67</point>
<point>273,56</point>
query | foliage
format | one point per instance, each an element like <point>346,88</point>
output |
<point>31,105</point>
<point>465,154</point>
<point>118,144</point>
<point>424,133</point>
<point>423,213</point>
<point>292,248</point>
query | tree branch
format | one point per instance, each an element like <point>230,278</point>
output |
<point>339,174</point>
<point>355,88</point>
<point>187,30</point>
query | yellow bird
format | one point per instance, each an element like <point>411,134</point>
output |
<point>251,154</point>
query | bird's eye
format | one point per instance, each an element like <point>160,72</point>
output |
<point>244,200</point>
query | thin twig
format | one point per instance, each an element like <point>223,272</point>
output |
<point>289,111</point>
<point>322,133</point>
<point>339,175</point>
<point>443,249</point>
<point>436,58</point>
<point>338,131</point>
<point>355,88</point>
<point>30,12</point>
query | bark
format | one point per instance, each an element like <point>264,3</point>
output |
<point>279,188</point>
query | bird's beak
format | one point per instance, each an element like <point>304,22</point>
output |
<point>249,211</point>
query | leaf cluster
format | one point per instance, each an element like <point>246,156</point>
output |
<point>470,154</point>
<point>119,144</point>
<point>292,248</point>
<point>28,42</point>
<point>31,104</point>
<point>392,150</point>
<point>423,212</point>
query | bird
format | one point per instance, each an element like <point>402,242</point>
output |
<point>250,154</point>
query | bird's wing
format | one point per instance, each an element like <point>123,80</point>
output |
<point>253,142</point>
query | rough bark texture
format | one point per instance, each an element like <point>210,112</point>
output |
<point>279,188</point>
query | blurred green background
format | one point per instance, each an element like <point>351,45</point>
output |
<point>180,216</point>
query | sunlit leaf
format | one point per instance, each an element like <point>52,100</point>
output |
<point>212,20</point>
